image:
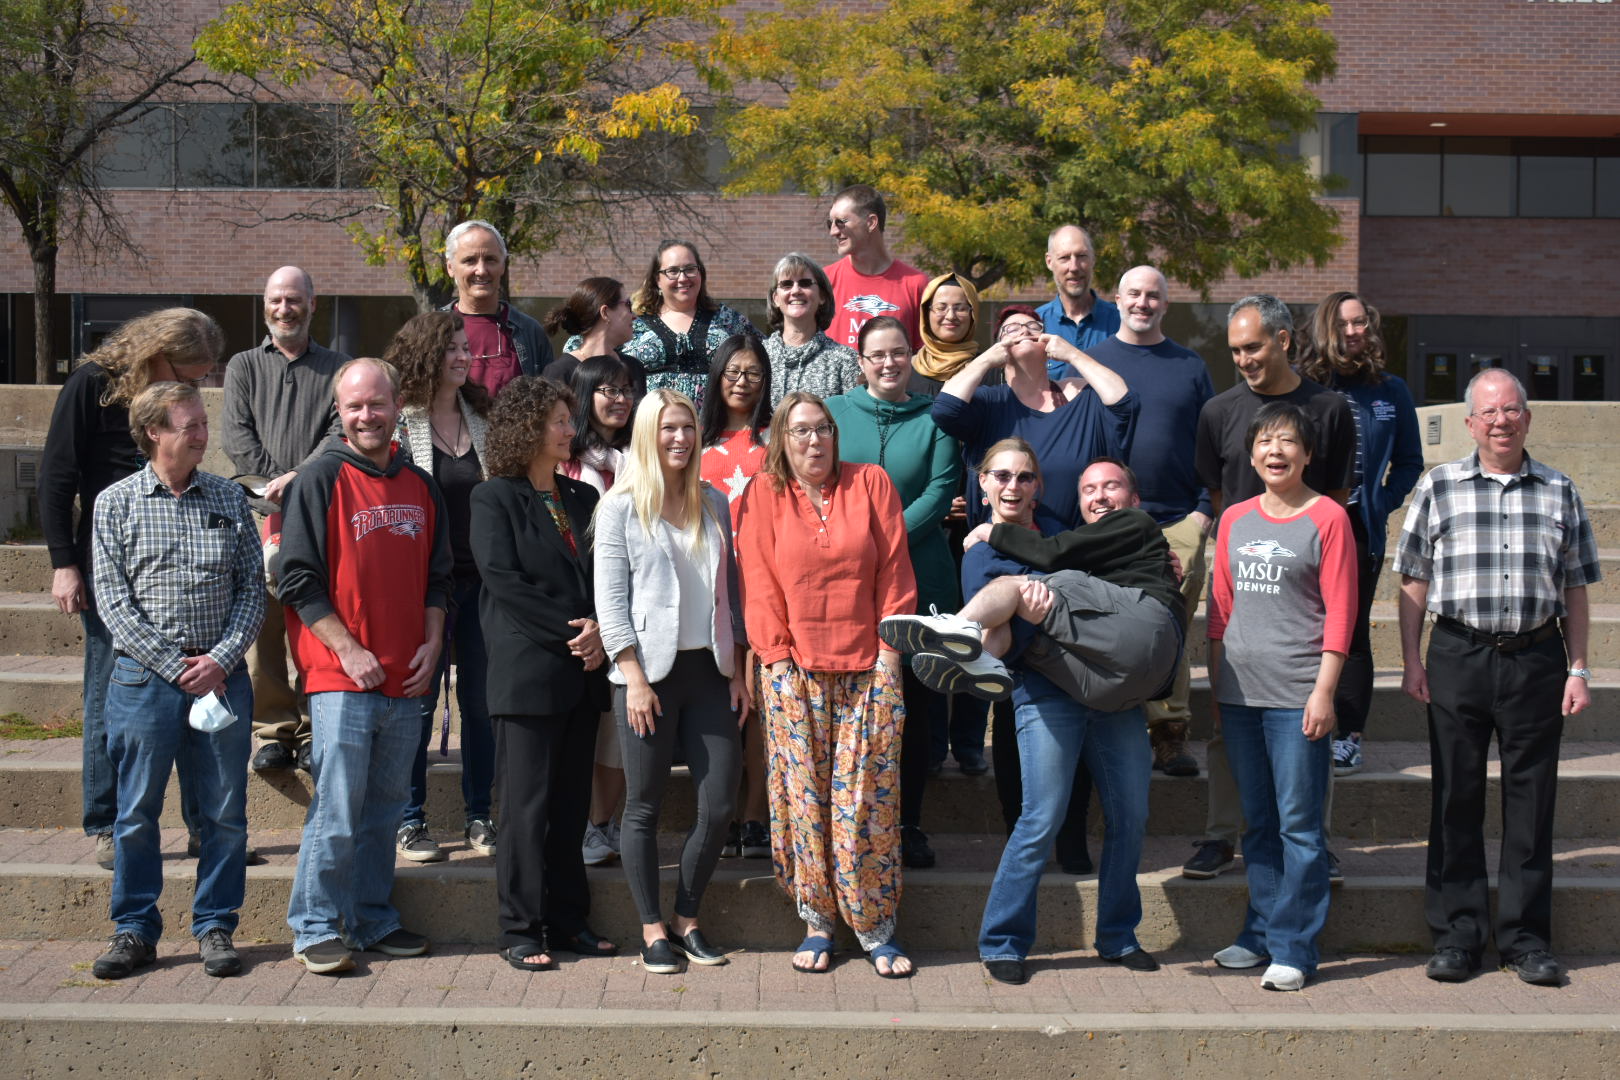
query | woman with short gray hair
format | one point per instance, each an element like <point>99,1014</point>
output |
<point>803,357</point>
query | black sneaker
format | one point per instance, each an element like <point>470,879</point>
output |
<point>1213,858</point>
<point>326,957</point>
<point>273,756</point>
<point>756,840</point>
<point>660,958</point>
<point>732,848</point>
<point>400,942</point>
<point>125,954</point>
<point>306,757</point>
<point>218,954</point>
<point>413,843</point>
<point>1135,960</point>
<point>1335,875</point>
<point>481,836</point>
<point>914,850</point>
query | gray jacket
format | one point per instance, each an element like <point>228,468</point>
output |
<point>416,435</point>
<point>638,596</point>
<point>529,339</point>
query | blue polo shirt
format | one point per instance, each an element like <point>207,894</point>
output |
<point>1094,329</point>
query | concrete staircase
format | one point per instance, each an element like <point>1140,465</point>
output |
<point>461,1011</point>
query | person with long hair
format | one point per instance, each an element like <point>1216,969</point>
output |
<point>671,617</point>
<point>822,547</point>
<point>736,414</point>
<point>678,324</point>
<point>1281,606</point>
<point>800,306</point>
<point>1344,351</point>
<point>443,428</point>
<point>884,424</point>
<point>598,321</point>
<point>547,687</point>
<point>88,447</point>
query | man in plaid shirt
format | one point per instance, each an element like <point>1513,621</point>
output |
<point>1498,546</point>
<point>179,582</point>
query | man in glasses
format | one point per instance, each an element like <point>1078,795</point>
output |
<point>504,342</point>
<point>867,281</point>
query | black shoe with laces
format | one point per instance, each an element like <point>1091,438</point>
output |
<point>756,840</point>
<point>1538,967</point>
<point>219,954</point>
<point>1213,857</point>
<point>1135,960</point>
<point>1451,964</point>
<point>125,954</point>
<point>272,756</point>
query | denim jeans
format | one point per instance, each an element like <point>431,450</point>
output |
<point>1282,778</point>
<point>148,731</point>
<point>1053,733</point>
<point>361,747</point>
<point>465,635</point>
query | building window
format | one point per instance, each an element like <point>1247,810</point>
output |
<point>1403,175</point>
<point>1419,176</point>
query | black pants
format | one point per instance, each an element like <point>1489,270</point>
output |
<point>1353,698</point>
<point>923,706</point>
<point>1476,691</point>
<point>543,786</point>
<point>1071,843</point>
<point>696,703</point>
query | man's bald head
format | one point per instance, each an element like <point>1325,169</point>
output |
<point>289,307</point>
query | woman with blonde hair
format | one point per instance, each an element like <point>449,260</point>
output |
<point>88,447</point>
<point>671,615</point>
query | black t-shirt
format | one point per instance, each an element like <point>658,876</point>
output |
<point>456,477</point>
<point>1223,462</point>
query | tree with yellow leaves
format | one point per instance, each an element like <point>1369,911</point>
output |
<point>526,113</point>
<point>1164,126</point>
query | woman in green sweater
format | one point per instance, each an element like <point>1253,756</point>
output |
<point>883,424</point>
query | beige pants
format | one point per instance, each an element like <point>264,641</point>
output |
<point>277,705</point>
<point>1186,539</point>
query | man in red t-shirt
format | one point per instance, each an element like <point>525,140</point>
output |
<point>868,281</point>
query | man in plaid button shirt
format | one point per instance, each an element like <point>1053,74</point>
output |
<point>180,584</point>
<point>1498,546</point>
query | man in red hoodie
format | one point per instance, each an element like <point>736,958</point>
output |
<point>365,576</point>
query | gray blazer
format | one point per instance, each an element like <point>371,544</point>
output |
<point>416,435</point>
<point>638,596</point>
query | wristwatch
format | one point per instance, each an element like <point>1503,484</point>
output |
<point>1581,673</point>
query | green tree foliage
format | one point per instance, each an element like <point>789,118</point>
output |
<point>72,73</point>
<point>526,113</point>
<point>1164,126</point>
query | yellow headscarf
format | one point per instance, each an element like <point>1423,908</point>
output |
<point>941,359</point>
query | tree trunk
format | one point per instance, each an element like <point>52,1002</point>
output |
<point>44,292</point>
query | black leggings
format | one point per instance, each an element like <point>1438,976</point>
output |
<point>696,703</point>
<point>1353,698</point>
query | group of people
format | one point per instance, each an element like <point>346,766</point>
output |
<point>763,554</point>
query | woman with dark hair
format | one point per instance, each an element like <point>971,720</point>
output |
<point>1344,350</point>
<point>884,424</point>
<point>803,357</point>
<point>442,429</point>
<point>678,324</point>
<point>547,684</point>
<point>951,316</point>
<point>1275,654</point>
<point>822,548</point>
<point>598,320</point>
<point>88,447</point>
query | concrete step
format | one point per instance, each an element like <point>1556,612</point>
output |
<point>1606,591</point>
<point>42,688</point>
<point>460,1011</point>
<point>25,568</point>
<point>1388,800</point>
<point>31,625</point>
<point>1379,908</point>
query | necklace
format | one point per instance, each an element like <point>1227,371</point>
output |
<point>451,447</point>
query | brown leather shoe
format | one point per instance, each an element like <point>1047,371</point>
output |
<point>1170,749</point>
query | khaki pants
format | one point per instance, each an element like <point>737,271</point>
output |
<point>1186,539</point>
<point>277,705</point>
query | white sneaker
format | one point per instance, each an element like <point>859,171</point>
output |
<point>1282,977</point>
<point>951,635</point>
<point>1238,958</point>
<point>596,848</point>
<point>983,677</point>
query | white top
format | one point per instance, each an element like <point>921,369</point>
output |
<point>697,597</point>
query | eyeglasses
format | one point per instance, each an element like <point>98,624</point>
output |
<point>802,434</point>
<point>950,309</point>
<point>1023,329</point>
<point>1007,476</point>
<point>689,270</point>
<point>1510,412</point>
<point>614,393</point>
<point>625,303</point>
<point>747,375</point>
<point>839,222</point>
<point>803,283</point>
<point>899,356</point>
<point>1360,323</point>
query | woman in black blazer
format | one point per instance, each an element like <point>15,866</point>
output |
<point>547,681</point>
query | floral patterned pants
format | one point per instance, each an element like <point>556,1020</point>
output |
<point>833,741</point>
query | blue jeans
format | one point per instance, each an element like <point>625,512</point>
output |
<point>148,731</point>
<point>465,635</point>
<point>361,748</point>
<point>1282,778</point>
<point>1053,733</point>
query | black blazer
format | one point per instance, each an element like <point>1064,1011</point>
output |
<point>532,586</point>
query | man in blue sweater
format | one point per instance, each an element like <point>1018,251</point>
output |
<point>1172,383</point>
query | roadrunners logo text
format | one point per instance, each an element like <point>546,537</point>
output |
<point>401,520</point>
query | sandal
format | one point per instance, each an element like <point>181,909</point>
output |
<point>891,952</point>
<point>820,945</point>
<point>519,955</point>
<point>586,942</point>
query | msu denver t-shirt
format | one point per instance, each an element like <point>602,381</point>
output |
<point>1283,593</point>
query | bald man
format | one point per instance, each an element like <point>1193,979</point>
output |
<point>1076,313</point>
<point>278,412</point>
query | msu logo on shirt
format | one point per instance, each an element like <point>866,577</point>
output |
<point>1263,576</point>
<point>870,305</point>
<point>400,519</point>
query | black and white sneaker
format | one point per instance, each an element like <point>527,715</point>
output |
<point>984,676</point>
<point>949,635</point>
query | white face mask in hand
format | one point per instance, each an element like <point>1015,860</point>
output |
<point>209,713</point>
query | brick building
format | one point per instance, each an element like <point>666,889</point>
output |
<point>1477,141</point>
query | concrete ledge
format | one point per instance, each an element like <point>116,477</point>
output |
<point>47,1041</point>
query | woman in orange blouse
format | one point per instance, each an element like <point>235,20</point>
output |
<point>822,550</point>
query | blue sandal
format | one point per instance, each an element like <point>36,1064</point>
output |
<point>891,952</point>
<point>821,945</point>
